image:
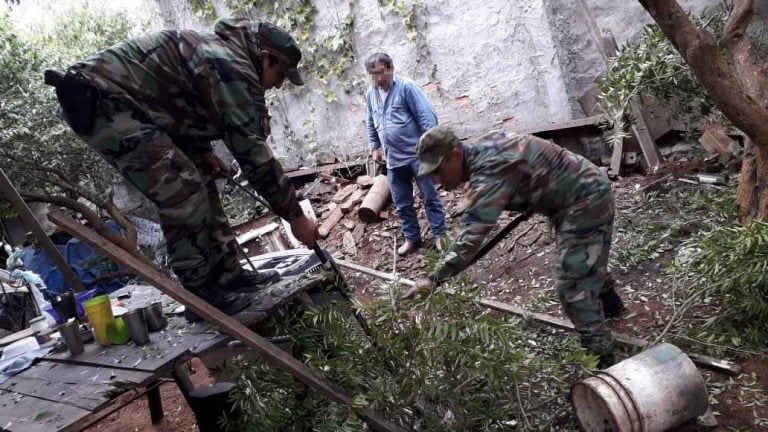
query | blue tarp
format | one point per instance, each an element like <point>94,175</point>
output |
<point>86,263</point>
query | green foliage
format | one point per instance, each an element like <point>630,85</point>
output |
<point>327,56</point>
<point>441,363</point>
<point>649,67</point>
<point>37,149</point>
<point>203,9</point>
<point>731,267</point>
<point>663,221</point>
<point>408,10</point>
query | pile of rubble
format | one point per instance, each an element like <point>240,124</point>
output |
<point>358,221</point>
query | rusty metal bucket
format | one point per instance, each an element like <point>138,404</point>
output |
<point>651,392</point>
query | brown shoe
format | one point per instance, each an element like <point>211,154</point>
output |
<point>408,247</point>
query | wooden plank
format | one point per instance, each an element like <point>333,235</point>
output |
<point>350,166</point>
<point>717,365</point>
<point>88,396</point>
<point>342,195</point>
<point>30,222</point>
<point>616,159</point>
<point>160,353</point>
<point>334,218</point>
<point>228,324</point>
<point>17,336</point>
<point>80,374</point>
<point>639,129</point>
<point>589,122</point>
<point>19,413</point>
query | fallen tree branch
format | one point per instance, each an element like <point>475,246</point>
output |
<point>717,365</point>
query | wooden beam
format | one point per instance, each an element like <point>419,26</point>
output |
<point>12,195</point>
<point>228,324</point>
<point>717,365</point>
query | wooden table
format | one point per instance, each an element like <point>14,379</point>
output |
<point>62,392</point>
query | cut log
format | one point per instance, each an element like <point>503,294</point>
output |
<point>364,181</point>
<point>343,194</point>
<point>353,200</point>
<point>328,224</point>
<point>375,201</point>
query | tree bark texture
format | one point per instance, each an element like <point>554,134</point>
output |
<point>736,79</point>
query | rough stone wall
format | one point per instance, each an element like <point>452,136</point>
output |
<point>509,63</point>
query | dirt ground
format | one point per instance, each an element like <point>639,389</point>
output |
<point>518,271</point>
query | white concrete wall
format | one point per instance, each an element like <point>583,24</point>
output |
<point>511,63</point>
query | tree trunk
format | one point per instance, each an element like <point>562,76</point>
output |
<point>737,80</point>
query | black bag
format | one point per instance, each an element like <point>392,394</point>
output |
<point>77,97</point>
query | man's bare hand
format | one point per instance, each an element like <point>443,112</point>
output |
<point>376,154</point>
<point>305,230</point>
<point>422,286</point>
<point>217,168</point>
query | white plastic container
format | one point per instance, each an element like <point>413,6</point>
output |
<point>653,391</point>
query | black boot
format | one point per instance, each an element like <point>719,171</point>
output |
<point>228,302</point>
<point>248,281</point>
<point>613,307</point>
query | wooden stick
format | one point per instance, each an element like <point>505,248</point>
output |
<point>723,366</point>
<point>12,195</point>
<point>228,324</point>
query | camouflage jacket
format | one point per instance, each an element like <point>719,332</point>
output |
<point>522,173</point>
<point>200,87</point>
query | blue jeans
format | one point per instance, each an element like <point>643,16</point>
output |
<point>401,186</point>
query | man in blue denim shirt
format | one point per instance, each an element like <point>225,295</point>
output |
<point>398,113</point>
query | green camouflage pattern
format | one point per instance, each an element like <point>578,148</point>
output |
<point>521,173</point>
<point>164,97</point>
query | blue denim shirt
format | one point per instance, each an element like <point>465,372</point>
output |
<point>397,123</point>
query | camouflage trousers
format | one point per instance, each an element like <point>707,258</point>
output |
<point>170,173</point>
<point>583,234</point>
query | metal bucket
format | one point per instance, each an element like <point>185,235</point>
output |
<point>651,392</point>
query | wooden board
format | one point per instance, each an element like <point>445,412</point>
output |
<point>89,397</point>
<point>164,348</point>
<point>13,337</point>
<point>228,324</point>
<point>19,413</point>
<point>78,374</point>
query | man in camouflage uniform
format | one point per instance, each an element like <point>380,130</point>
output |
<point>151,105</point>
<point>525,173</point>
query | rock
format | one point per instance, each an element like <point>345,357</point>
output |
<point>348,244</point>
<point>343,194</point>
<point>364,181</point>
<point>358,232</point>
<point>348,224</point>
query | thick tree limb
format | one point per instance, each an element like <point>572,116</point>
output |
<point>750,70</point>
<point>702,52</point>
<point>127,244</point>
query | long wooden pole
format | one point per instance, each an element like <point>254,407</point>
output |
<point>12,195</point>
<point>228,324</point>
<point>717,365</point>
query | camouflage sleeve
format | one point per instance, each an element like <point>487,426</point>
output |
<point>238,98</point>
<point>488,196</point>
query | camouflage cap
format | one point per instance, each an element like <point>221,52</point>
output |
<point>279,43</point>
<point>433,146</point>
